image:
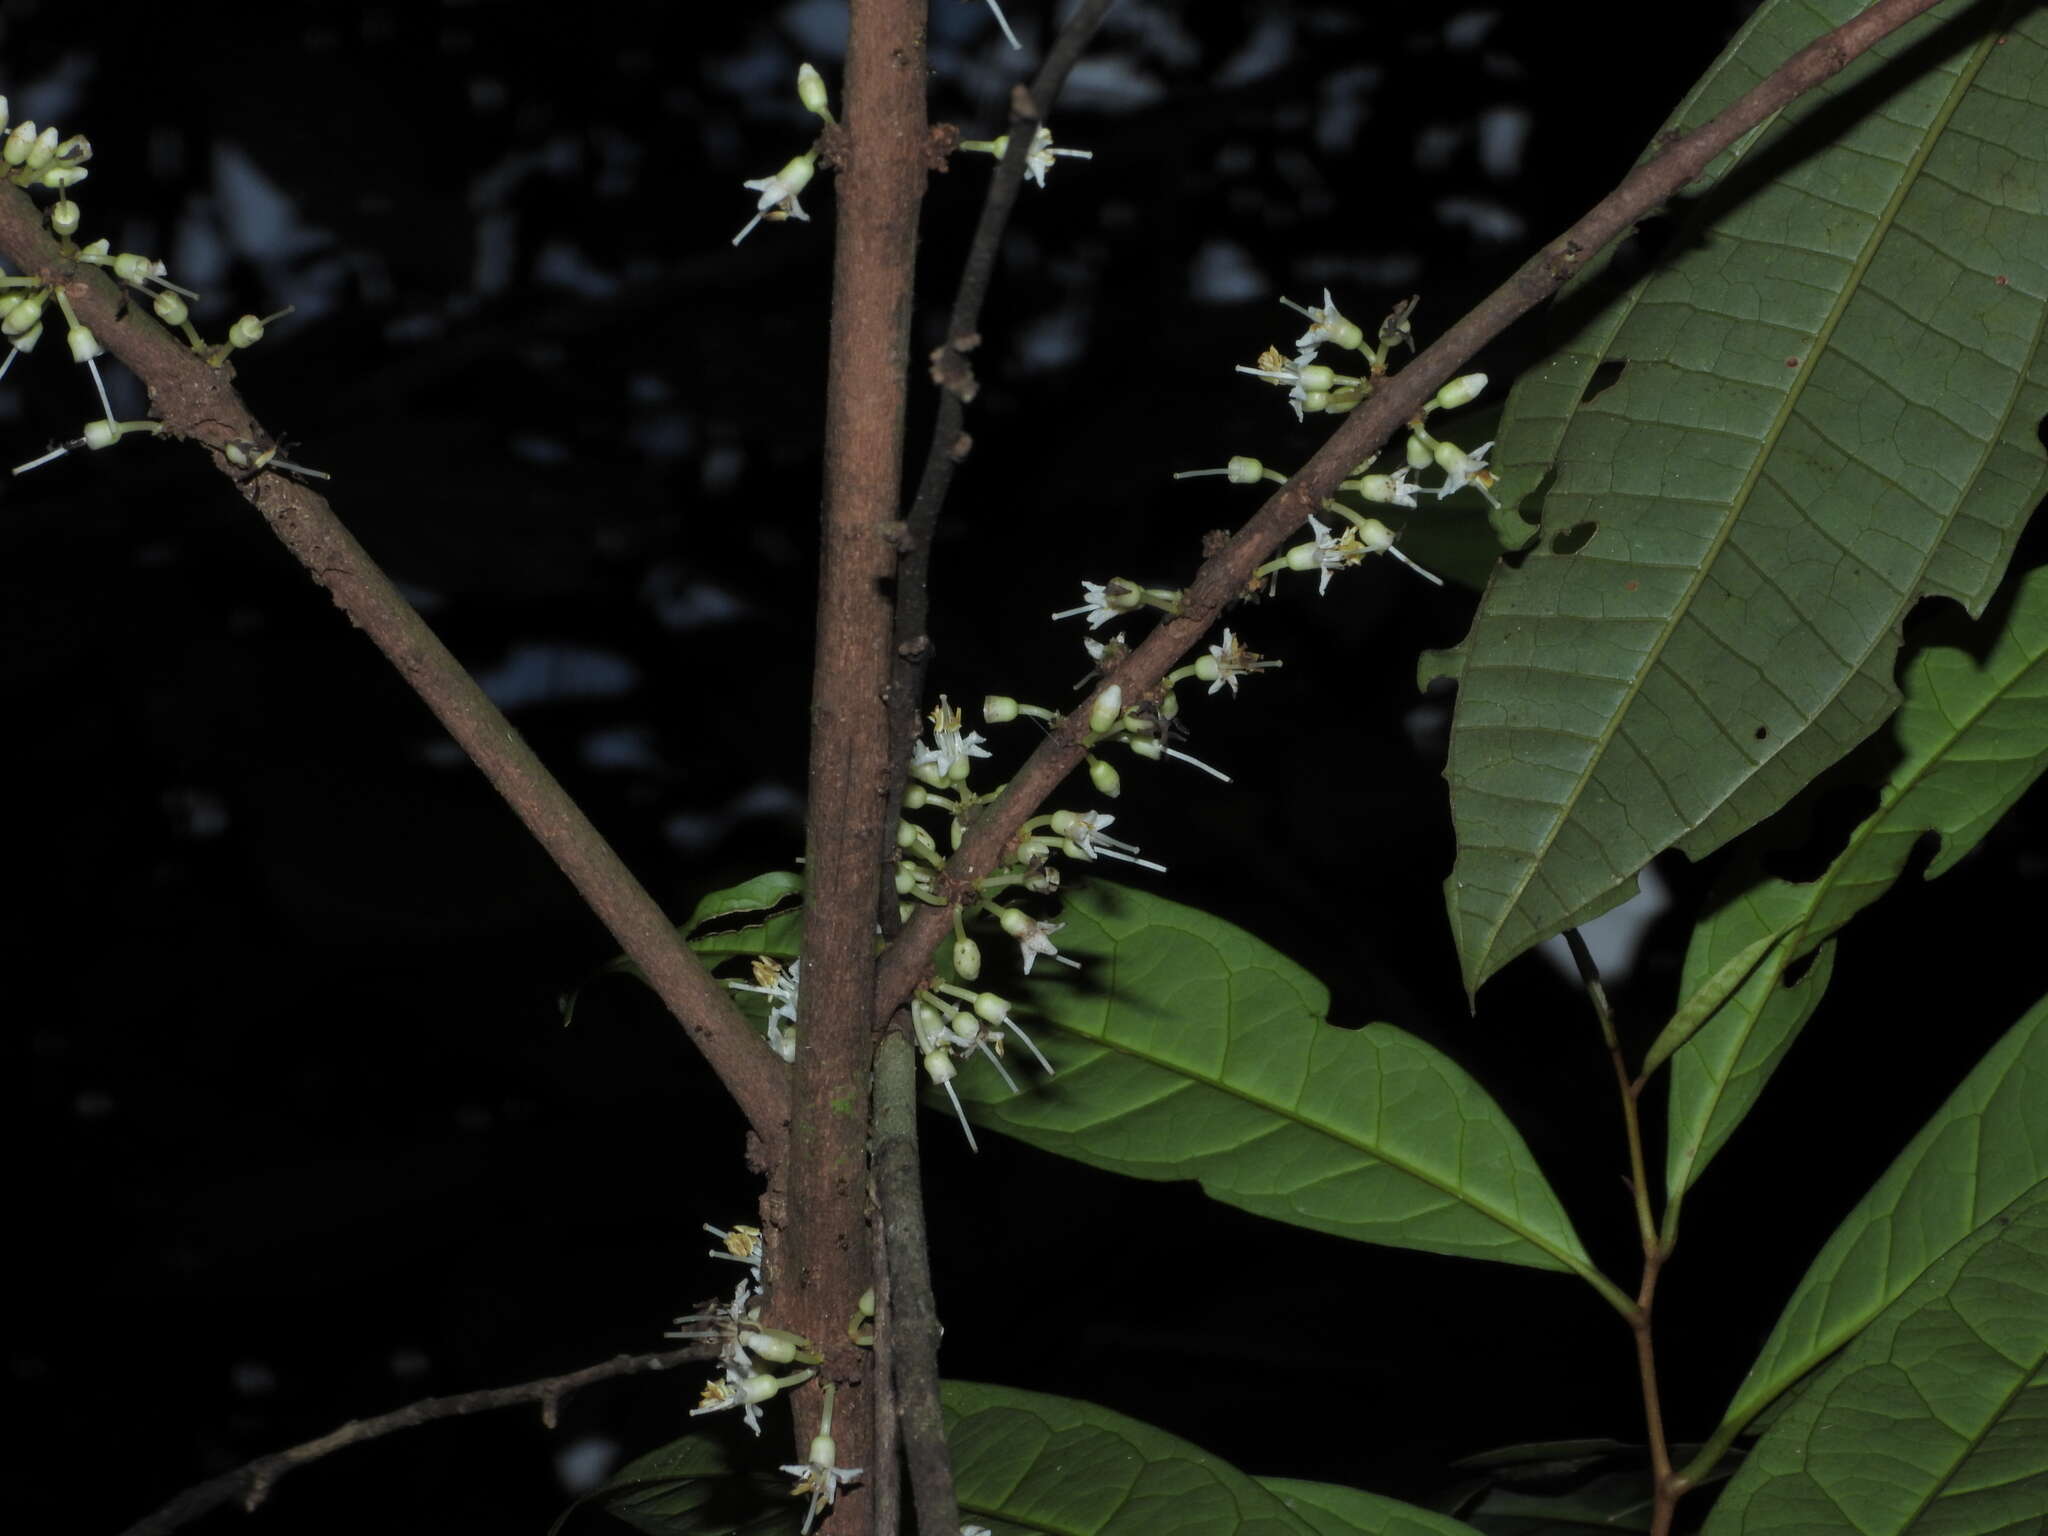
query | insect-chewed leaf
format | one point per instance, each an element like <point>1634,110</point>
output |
<point>1820,409</point>
<point>1971,737</point>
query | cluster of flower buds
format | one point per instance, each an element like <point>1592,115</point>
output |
<point>1313,386</point>
<point>746,1353</point>
<point>778,193</point>
<point>32,157</point>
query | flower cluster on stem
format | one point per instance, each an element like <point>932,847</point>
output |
<point>33,157</point>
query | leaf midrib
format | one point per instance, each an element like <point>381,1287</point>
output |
<point>1880,227</point>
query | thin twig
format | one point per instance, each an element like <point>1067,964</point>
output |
<point>1029,107</point>
<point>912,1322</point>
<point>1640,1322</point>
<point>1368,429</point>
<point>250,1484</point>
<point>199,403</point>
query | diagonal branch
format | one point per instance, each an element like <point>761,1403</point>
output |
<point>1365,432</point>
<point>199,402</point>
<point>250,1484</point>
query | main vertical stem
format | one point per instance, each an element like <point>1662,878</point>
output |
<point>822,1256</point>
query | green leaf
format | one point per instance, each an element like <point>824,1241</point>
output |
<point>1333,1510</point>
<point>1187,1049</point>
<point>1935,1420</point>
<point>759,894</point>
<point>1023,1462</point>
<point>1971,737</point>
<point>1984,1151</point>
<point>705,1484</point>
<point>1819,411</point>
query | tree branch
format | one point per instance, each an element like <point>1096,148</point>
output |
<point>821,1258</point>
<point>1364,433</point>
<point>251,1483</point>
<point>199,402</point>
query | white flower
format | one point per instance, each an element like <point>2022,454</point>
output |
<point>1230,661</point>
<point>819,1477</point>
<point>1040,160</point>
<point>948,760</point>
<point>778,194</point>
<point>746,1393</point>
<point>1034,938</point>
<point>1102,604</point>
<point>1462,469</point>
<point>1325,325</point>
<point>1327,554</point>
<point>780,986</point>
<point>1309,383</point>
<point>742,1246</point>
<point>1085,838</point>
<point>1100,653</point>
<point>1391,489</point>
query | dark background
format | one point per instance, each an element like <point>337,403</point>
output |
<point>299,1133</point>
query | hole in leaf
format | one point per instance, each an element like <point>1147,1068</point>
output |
<point>1530,507</point>
<point>1763,732</point>
<point>1840,811</point>
<point>1574,539</point>
<point>1604,378</point>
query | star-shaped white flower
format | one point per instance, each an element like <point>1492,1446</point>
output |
<point>1328,554</point>
<point>1462,469</point>
<point>947,761</point>
<point>1033,937</point>
<point>1388,490</point>
<point>1229,662</point>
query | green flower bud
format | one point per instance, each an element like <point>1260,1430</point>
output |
<point>1105,778</point>
<point>1101,716</point>
<point>966,959</point>
<point>1462,390</point>
<point>1419,456</point>
<point>1244,471</point>
<point>998,709</point>
<point>810,90</point>
<point>64,217</point>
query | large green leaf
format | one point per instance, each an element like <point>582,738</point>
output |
<point>1984,1151</point>
<point>1334,1510</point>
<point>1187,1049</point>
<point>1934,1421</point>
<point>1024,1462</point>
<point>1819,411</point>
<point>1972,736</point>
